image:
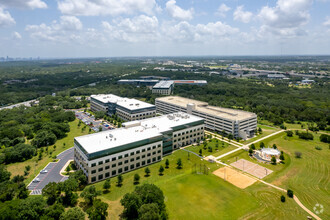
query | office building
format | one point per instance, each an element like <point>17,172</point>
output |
<point>137,144</point>
<point>237,122</point>
<point>163,88</point>
<point>126,108</point>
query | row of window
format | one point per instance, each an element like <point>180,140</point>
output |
<point>125,169</point>
<point>183,133</point>
<point>131,154</point>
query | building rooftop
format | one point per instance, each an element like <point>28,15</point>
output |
<point>271,151</point>
<point>232,114</point>
<point>134,131</point>
<point>190,81</point>
<point>163,85</point>
<point>131,104</point>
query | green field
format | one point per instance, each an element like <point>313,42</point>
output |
<point>36,166</point>
<point>266,130</point>
<point>223,147</point>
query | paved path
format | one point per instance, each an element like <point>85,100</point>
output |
<point>268,136</point>
<point>53,174</point>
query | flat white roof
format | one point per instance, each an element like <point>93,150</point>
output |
<point>227,113</point>
<point>270,151</point>
<point>163,85</point>
<point>147,128</point>
<point>131,104</point>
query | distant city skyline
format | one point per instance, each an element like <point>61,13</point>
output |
<point>119,28</point>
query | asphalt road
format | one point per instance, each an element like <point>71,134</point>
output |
<point>53,174</point>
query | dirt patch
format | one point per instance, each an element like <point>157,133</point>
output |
<point>252,168</point>
<point>234,177</point>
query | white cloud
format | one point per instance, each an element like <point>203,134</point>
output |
<point>222,10</point>
<point>6,19</point>
<point>178,13</point>
<point>287,18</point>
<point>17,36</point>
<point>23,4</point>
<point>241,15</point>
<point>65,30</point>
<point>138,29</point>
<point>105,7</point>
<point>327,22</point>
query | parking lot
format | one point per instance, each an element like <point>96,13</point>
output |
<point>88,119</point>
<point>52,174</point>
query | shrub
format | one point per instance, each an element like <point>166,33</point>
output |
<point>318,148</point>
<point>305,136</point>
<point>282,198</point>
<point>325,138</point>
<point>289,133</point>
<point>290,193</point>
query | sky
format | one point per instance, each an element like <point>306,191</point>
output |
<point>116,28</point>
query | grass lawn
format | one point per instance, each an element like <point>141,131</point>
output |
<point>192,196</point>
<point>266,130</point>
<point>37,165</point>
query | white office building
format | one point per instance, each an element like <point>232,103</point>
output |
<point>163,88</point>
<point>237,122</point>
<point>126,108</point>
<point>137,144</point>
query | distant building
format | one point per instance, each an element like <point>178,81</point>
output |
<point>275,76</point>
<point>126,108</point>
<point>163,88</point>
<point>137,144</point>
<point>190,82</point>
<point>307,81</point>
<point>139,82</point>
<point>237,122</point>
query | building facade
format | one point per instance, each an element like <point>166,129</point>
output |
<point>163,88</point>
<point>127,109</point>
<point>237,122</point>
<point>137,144</point>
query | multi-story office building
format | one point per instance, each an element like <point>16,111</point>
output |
<point>136,144</point>
<point>125,108</point>
<point>237,122</point>
<point>163,88</point>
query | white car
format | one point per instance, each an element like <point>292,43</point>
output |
<point>44,171</point>
<point>36,180</point>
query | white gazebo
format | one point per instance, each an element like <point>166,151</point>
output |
<point>268,153</point>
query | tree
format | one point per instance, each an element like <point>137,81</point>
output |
<point>147,171</point>
<point>73,214</point>
<point>131,203</point>
<point>99,211</point>
<point>253,147</point>
<point>89,194</point>
<point>167,163</point>
<point>79,177</point>
<point>210,149</point>
<point>325,138</point>
<point>282,156</point>
<point>107,185</point>
<point>161,170</point>
<point>120,180</point>
<point>4,174</point>
<point>230,136</point>
<point>52,192</point>
<point>149,212</point>
<point>274,146</point>
<point>31,208</point>
<point>200,152</point>
<point>136,179</point>
<point>250,151</point>
<point>28,168</point>
<point>262,145</point>
<point>290,193</point>
<point>282,198</point>
<point>217,146</point>
<point>273,160</point>
<point>289,133</point>
<point>260,130</point>
<point>179,164</point>
<point>298,154</point>
<point>54,211</point>
<point>204,145</point>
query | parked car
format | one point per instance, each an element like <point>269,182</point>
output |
<point>36,180</point>
<point>44,171</point>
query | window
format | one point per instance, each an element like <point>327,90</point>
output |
<point>143,150</point>
<point>132,153</point>
<point>143,163</point>
<point>148,161</point>
<point>153,153</point>
<point>126,155</point>
<point>137,164</point>
<point>159,151</point>
<point>120,170</point>
<point>159,157</point>
<point>93,179</point>
<point>114,165</point>
<point>143,156</point>
<point>126,168</point>
<point>159,145</point>
<point>137,152</point>
<point>126,161</point>
<point>107,174</point>
<point>132,159</point>
<point>107,161</point>
<point>149,154</point>
<point>107,167</point>
<point>132,166</point>
<point>153,147</point>
<point>120,163</point>
<point>100,169</point>
<point>93,171</point>
<point>149,148</point>
<point>119,157</point>
<point>154,159</point>
<point>137,158</point>
<point>93,164</point>
<point>175,135</point>
<point>100,176</point>
<point>113,172</point>
<point>100,162</point>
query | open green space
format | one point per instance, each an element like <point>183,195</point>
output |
<point>37,165</point>
<point>266,130</point>
<point>222,148</point>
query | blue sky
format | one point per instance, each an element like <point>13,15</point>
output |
<point>102,28</point>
